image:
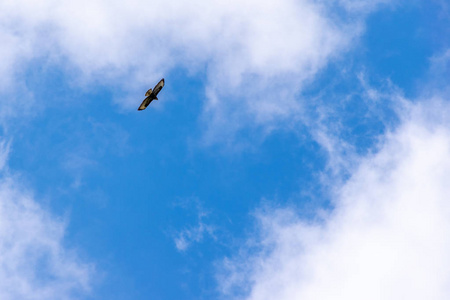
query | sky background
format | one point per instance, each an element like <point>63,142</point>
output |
<point>299,149</point>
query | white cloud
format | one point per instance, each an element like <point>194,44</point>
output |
<point>34,261</point>
<point>257,54</point>
<point>388,236</point>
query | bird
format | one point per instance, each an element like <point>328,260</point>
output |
<point>151,95</point>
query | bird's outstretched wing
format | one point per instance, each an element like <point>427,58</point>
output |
<point>148,92</point>
<point>145,103</point>
<point>158,87</point>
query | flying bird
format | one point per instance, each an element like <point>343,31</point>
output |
<point>151,95</point>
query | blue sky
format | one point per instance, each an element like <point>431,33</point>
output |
<point>299,150</point>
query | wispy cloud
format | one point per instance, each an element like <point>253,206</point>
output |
<point>194,233</point>
<point>387,238</point>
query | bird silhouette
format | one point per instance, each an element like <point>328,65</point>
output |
<point>152,95</point>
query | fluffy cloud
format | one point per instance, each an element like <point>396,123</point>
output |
<point>388,236</point>
<point>256,55</point>
<point>34,262</point>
